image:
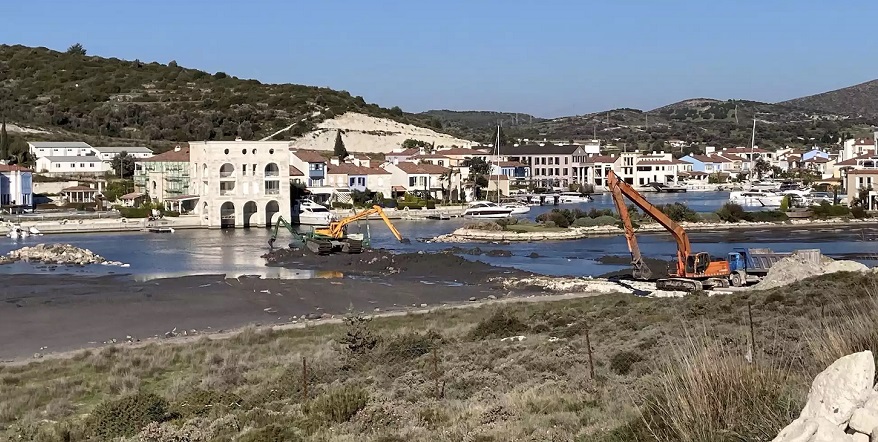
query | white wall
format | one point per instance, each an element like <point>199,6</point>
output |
<point>16,186</point>
<point>85,165</point>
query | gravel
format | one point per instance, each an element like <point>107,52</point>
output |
<point>798,267</point>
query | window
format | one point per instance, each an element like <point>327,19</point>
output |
<point>243,170</point>
<point>413,181</point>
<point>557,160</point>
<point>566,159</point>
<point>565,171</point>
<point>556,171</point>
<point>81,164</point>
<point>271,169</point>
<point>91,164</point>
<point>272,187</point>
<point>73,165</point>
<point>254,169</point>
<point>57,165</point>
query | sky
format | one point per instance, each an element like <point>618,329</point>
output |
<point>548,58</point>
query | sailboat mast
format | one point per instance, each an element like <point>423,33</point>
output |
<point>497,148</point>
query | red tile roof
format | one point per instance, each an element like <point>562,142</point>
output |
<point>429,156</point>
<point>460,151</point>
<point>511,164</point>
<point>171,156</point>
<point>13,168</point>
<point>351,169</point>
<point>405,153</point>
<point>79,189</point>
<point>864,142</point>
<point>743,150</point>
<point>131,196</point>
<point>600,159</point>
<point>421,169</point>
<point>817,160</point>
<point>869,155</point>
<point>309,156</point>
<point>295,172</point>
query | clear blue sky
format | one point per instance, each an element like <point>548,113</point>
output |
<point>545,57</point>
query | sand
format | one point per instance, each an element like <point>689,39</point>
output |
<point>796,268</point>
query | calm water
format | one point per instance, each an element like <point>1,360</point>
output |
<point>237,252</point>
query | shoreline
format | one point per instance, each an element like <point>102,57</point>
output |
<point>464,235</point>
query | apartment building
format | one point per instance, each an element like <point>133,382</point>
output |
<point>240,183</point>
<point>550,165</point>
<point>165,176</point>
<point>39,149</point>
<point>417,177</point>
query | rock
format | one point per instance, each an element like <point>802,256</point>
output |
<point>518,338</point>
<point>423,305</point>
<point>829,432</point>
<point>873,437</point>
<point>472,299</point>
<point>841,388</point>
<point>38,355</point>
<point>864,420</point>
<point>801,430</point>
<point>492,297</point>
<point>859,437</point>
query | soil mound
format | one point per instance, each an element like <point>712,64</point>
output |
<point>800,266</point>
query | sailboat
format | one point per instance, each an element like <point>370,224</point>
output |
<point>518,208</point>
<point>491,209</point>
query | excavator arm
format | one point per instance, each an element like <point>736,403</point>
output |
<point>336,229</point>
<point>620,190</point>
<point>281,222</point>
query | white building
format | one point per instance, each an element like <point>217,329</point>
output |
<point>240,183</point>
<point>108,153</point>
<point>39,149</point>
<point>16,186</point>
<point>71,165</point>
<point>413,177</point>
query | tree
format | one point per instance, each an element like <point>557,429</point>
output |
<point>76,49</point>
<point>395,110</point>
<point>340,150</point>
<point>761,167</point>
<point>4,142</point>
<point>123,165</point>
<point>477,167</point>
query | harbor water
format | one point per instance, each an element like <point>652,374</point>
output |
<point>238,252</point>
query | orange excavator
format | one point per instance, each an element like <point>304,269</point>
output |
<point>693,271</point>
<point>335,236</point>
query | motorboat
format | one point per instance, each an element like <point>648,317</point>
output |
<point>16,232</point>
<point>308,213</point>
<point>487,209</point>
<point>573,198</point>
<point>518,208</point>
<point>756,198</point>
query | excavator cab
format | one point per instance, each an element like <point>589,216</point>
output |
<point>697,263</point>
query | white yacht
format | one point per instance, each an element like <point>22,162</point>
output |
<point>573,198</point>
<point>756,198</point>
<point>518,208</point>
<point>309,213</point>
<point>487,209</point>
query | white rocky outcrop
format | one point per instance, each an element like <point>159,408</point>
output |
<point>362,133</point>
<point>842,404</point>
<point>64,254</point>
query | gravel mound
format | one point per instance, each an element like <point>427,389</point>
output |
<point>800,266</point>
<point>63,254</point>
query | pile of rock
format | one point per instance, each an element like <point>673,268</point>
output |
<point>842,404</point>
<point>797,267</point>
<point>62,254</point>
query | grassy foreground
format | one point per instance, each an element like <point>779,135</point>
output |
<point>663,369</point>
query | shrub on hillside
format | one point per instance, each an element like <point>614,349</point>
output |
<point>272,433</point>
<point>500,324</point>
<point>409,346</point>
<point>680,212</point>
<point>125,416</point>
<point>200,402</point>
<point>555,216</point>
<point>486,225</point>
<point>603,220</point>
<point>338,405</point>
<point>623,361</point>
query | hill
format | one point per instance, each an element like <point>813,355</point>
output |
<point>74,95</point>
<point>477,125</point>
<point>860,100</point>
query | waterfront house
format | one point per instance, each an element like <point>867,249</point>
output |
<point>354,177</point>
<point>16,187</point>
<point>296,175</point>
<point>514,170</point>
<point>458,156</point>
<point>240,183</point>
<point>312,164</point>
<point>594,170</point>
<point>107,153</point>
<point>164,176</point>
<point>400,155</point>
<point>865,180</point>
<point>39,149</point>
<point>704,163</point>
<point>418,178</point>
<point>79,194</point>
<point>855,147</point>
<point>133,199</point>
<point>76,165</point>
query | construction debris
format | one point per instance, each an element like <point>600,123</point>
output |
<point>799,266</point>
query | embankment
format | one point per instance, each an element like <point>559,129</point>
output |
<point>84,225</point>
<point>475,235</point>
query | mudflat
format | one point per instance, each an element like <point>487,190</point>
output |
<point>52,313</point>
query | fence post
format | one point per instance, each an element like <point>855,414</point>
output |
<point>436,372</point>
<point>588,346</point>
<point>752,331</point>
<point>305,377</point>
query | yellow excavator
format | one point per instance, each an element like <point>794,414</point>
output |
<point>693,270</point>
<point>335,237</point>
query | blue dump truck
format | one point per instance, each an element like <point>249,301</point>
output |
<point>751,265</point>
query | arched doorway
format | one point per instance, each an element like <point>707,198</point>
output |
<point>227,215</point>
<point>272,210</point>
<point>249,212</point>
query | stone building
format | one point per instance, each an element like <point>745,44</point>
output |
<point>240,183</point>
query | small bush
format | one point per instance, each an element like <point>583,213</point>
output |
<point>623,361</point>
<point>680,212</point>
<point>556,216</point>
<point>127,415</point>
<point>201,402</point>
<point>338,405</point>
<point>409,346</point>
<point>359,337</point>
<point>418,205</point>
<point>134,212</point>
<point>596,213</point>
<point>827,210</point>
<point>767,216</point>
<point>389,203</point>
<point>859,212</point>
<point>431,204</point>
<point>731,213</point>
<point>500,324</point>
<point>602,220</point>
<point>490,226</point>
<point>171,213</point>
<point>341,205</point>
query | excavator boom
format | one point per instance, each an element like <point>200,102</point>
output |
<point>336,229</point>
<point>691,268</point>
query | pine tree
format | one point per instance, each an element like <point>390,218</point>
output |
<point>4,142</point>
<point>340,150</point>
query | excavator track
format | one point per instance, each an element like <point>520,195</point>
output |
<point>679,284</point>
<point>352,246</point>
<point>318,246</point>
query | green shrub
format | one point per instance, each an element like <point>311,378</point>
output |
<point>171,213</point>
<point>827,210</point>
<point>127,415</point>
<point>409,346</point>
<point>556,216</point>
<point>490,226</point>
<point>859,212</point>
<point>603,220</point>
<point>680,212</point>
<point>500,324</point>
<point>623,361</point>
<point>731,213</point>
<point>596,213</point>
<point>431,204</point>
<point>767,216</point>
<point>390,203</point>
<point>341,205</point>
<point>134,212</point>
<point>416,205</point>
<point>338,405</point>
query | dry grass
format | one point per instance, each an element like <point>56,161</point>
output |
<point>446,376</point>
